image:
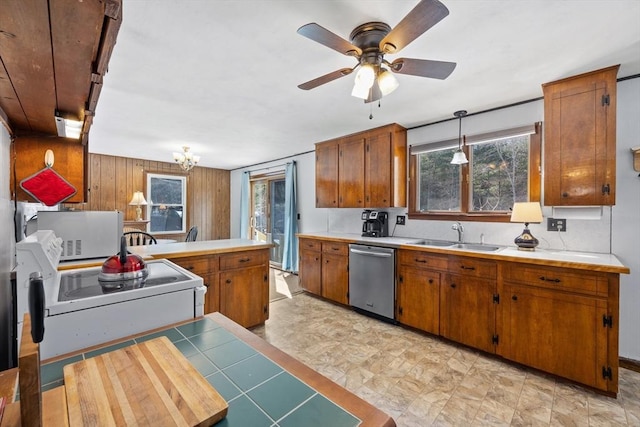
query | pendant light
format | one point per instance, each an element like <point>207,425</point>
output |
<point>459,158</point>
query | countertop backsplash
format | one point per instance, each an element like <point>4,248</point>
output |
<point>582,235</point>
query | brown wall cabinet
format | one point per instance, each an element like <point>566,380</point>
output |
<point>366,169</point>
<point>237,284</point>
<point>324,269</point>
<point>580,139</point>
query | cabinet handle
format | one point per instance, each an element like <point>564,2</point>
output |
<point>424,261</point>
<point>515,297</point>
<point>565,194</point>
<point>548,279</point>
<point>467,268</point>
<point>335,249</point>
<point>228,281</point>
<point>453,285</point>
<point>244,260</point>
<point>430,281</point>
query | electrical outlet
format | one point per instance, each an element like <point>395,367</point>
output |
<point>556,224</point>
<point>400,220</point>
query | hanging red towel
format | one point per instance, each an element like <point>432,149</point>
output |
<point>48,187</point>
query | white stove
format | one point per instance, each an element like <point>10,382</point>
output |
<point>82,311</point>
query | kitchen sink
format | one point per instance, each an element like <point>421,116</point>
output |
<point>432,242</point>
<point>476,247</point>
<point>455,245</point>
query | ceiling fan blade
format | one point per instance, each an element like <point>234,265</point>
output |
<point>423,68</point>
<point>326,78</point>
<point>323,36</point>
<point>424,16</point>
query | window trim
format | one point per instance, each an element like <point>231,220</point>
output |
<point>535,183</point>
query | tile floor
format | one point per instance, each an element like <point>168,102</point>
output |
<point>421,380</point>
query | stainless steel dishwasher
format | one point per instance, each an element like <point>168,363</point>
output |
<point>372,284</point>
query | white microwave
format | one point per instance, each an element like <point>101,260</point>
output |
<point>84,234</point>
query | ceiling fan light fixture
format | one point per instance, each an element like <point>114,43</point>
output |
<point>387,82</point>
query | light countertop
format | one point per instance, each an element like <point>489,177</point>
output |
<point>204,247</point>
<point>556,258</point>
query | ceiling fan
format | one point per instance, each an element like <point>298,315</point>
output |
<point>370,42</point>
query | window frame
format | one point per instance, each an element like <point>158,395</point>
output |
<point>535,181</point>
<point>183,180</point>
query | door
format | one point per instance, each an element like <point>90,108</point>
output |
<point>267,223</point>
<point>419,299</point>
<point>244,295</point>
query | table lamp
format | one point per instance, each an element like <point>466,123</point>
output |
<point>138,200</point>
<point>526,212</point>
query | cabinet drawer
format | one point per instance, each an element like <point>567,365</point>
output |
<point>310,245</point>
<point>335,248</point>
<point>243,259</point>
<point>422,259</point>
<point>557,278</point>
<point>473,267</point>
<point>196,265</point>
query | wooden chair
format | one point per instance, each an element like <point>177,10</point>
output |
<point>192,234</point>
<point>137,238</point>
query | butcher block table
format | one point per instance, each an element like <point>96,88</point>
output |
<point>150,383</point>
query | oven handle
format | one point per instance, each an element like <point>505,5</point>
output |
<point>376,254</point>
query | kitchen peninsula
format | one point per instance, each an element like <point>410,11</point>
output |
<point>556,311</point>
<point>235,272</point>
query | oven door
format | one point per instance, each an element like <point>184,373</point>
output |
<point>80,329</point>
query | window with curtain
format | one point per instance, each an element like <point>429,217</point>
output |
<point>503,168</point>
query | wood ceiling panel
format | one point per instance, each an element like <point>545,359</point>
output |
<point>75,51</point>
<point>9,102</point>
<point>25,50</point>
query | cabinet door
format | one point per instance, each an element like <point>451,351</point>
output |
<point>418,299</point>
<point>244,295</point>
<point>335,277</point>
<point>580,140</point>
<point>467,311</point>
<point>378,180</point>
<point>327,175</point>
<point>212,297</point>
<point>351,172</point>
<point>310,271</point>
<point>556,332</point>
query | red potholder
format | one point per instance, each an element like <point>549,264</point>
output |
<point>48,187</point>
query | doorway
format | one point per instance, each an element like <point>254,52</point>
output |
<point>267,207</point>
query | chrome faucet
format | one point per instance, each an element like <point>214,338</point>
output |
<point>460,229</point>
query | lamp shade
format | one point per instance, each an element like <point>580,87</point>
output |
<point>138,199</point>
<point>526,212</point>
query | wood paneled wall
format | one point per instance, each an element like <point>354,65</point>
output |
<point>112,181</point>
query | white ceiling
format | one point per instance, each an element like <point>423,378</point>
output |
<point>221,75</point>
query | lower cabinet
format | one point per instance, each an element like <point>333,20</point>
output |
<point>418,290</point>
<point>560,321</point>
<point>324,269</point>
<point>468,303</point>
<point>237,284</point>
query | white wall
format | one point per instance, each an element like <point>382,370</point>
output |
<point>615,229</point>
<point>625,233</point>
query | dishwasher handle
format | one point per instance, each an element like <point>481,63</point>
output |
<point>367,253</point>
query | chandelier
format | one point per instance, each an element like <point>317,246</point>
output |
<point>187,160</point>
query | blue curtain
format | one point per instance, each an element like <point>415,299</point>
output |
<point>290,247</point>
<point>244,206</point>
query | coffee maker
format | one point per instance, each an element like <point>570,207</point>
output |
<point>375,223</point>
